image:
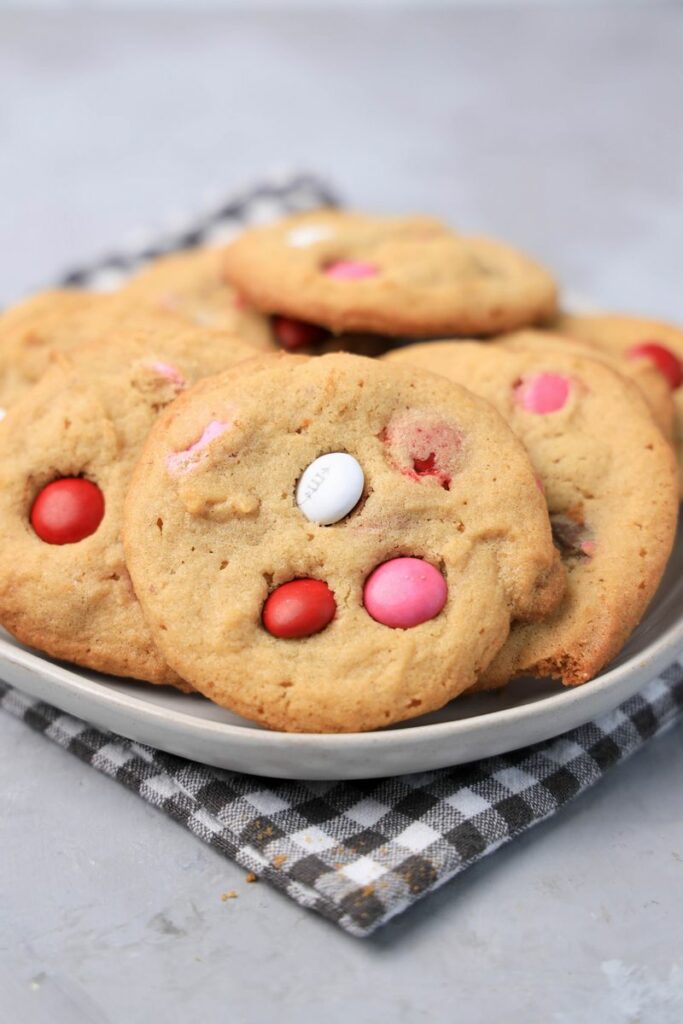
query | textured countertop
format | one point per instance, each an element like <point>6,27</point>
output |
<point>558,129</point>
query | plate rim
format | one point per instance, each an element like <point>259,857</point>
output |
<point>658,653</point>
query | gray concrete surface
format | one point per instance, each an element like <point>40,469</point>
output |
<point>559,129</point>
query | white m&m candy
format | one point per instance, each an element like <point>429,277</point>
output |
<point>309,234</point>
<point>329,488</point>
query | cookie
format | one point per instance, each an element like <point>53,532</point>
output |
<point>609,478</point>
<point>68,449</point>
<point>184,288</point>
<point>395,276</point>
<point>30,330</point>
<point>191,284</point>
<point>59,321</point>
<point>332,544</point>
<point>643,346</point>
<point>650,381</point>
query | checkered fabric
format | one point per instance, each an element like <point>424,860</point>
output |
<point>256,205</point>
<point>361,852</point>
<point>357,852</point>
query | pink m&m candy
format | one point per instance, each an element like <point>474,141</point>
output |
<point>404,592</point>
<point>350,270</point>
<point>543,392</point>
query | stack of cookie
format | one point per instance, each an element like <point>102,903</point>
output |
<point>316,539</point>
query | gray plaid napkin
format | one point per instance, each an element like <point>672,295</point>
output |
<point>361,852</point>
<point>357,852</point>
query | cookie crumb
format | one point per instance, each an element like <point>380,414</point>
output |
<point>279,859</point>
<point>229,895</point>
<point>251,877</point>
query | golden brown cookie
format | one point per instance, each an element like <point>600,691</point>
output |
<point>185,288</point>
<point>609,478</point>
<point>335,544</point>
<point>642,345</point>
<point>642,372</point>
<point>58,321</point>
<point>192,285</point>
<point>68,449</point>
<point>30,330</point>
<point>397,276</point>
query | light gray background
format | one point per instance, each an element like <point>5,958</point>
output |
<point>287,5</point>
<point>557,128</point>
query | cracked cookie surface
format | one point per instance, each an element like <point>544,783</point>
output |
<point>68,450</point>
<point>609,478</point>
<point>328,615</point>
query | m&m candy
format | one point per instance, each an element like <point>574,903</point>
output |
<point>668,364</point>
<point>543,392</point>
<point>330,487</point>
<point>299,608</point>
<point>350,270</point>
<point>67,510</point>
<point>404,592</point>
<point>295,334</point>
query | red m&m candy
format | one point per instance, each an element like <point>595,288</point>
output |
<point>668,364</point>
<point>299,608</point>
<point>295,334</point>
<point>67,510</point>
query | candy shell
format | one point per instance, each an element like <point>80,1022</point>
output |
<point>330,488</point>
<point>67,511</point>
<point>299,608</point>
<point>294,334</point>
<point>404,592</point>
<point>350,270</point>
<point>666,361</point>
<point>543,392</point>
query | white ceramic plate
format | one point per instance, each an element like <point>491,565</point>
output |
<point>467,729</point>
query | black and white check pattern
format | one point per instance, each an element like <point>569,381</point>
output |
<point>255,205</point>
<point>357,852</point>
<point>361,852</point>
